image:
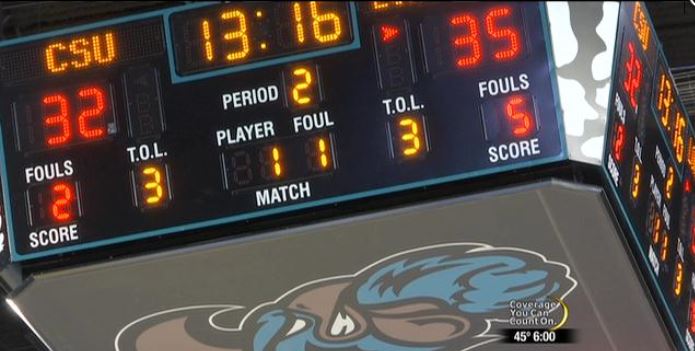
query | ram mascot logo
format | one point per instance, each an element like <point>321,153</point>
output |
<point>437,298</point>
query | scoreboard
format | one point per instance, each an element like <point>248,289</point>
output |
<point>202,122</point>
<point>206,114</point>
<point>649,159</point>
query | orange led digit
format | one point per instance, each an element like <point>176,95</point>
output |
<point>656,230</point>
<point>411,136</point>
<point>277,167</point>
<point>306,80</point>
<point>664,247</point>
<point>665,101</point>
<point>62,199</point>
<point>318,153</point>
<point>60,119</point>
<point>636,174</point>
<point>297,10</point>
<point>507,34</point>
<point>323,151</point>
<point>679,137</point>
<point>320,20</point>
<point>471,40</point>
<point>670,180</point>
<point>206,38</point>
<point>97,97</point>
<point>239,34</point>
<point>678,279</point>
<point>154,185</point>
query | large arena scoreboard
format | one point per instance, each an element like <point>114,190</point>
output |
<point>650,162</point>
<point>206,114</point>
<point>202,120</point>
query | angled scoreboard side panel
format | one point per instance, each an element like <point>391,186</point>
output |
<point>648,163</point>
<point>584,35</point>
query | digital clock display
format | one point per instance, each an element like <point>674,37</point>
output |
<point>650,162</point>
<point>209,114</point>
<point>237,33</point>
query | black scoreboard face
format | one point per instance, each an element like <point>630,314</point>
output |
<point>206,114</point>
<point>650,161</point>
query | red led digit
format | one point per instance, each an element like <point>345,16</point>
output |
<point>633,78</point>
<point>508,34</point>
<point>517,113</point>
<point>692,316</point>
<point>90,115</point>
<point>618,142</point>
<point>389,33</point>
<point>471,40</point>
<point>61,209</point>
<point>59,119</point>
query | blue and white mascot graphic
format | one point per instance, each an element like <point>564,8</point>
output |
<point>438,298</point>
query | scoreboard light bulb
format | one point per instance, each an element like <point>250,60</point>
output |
<point>259,14</point>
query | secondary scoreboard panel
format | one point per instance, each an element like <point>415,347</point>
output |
<point>649,160</point>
